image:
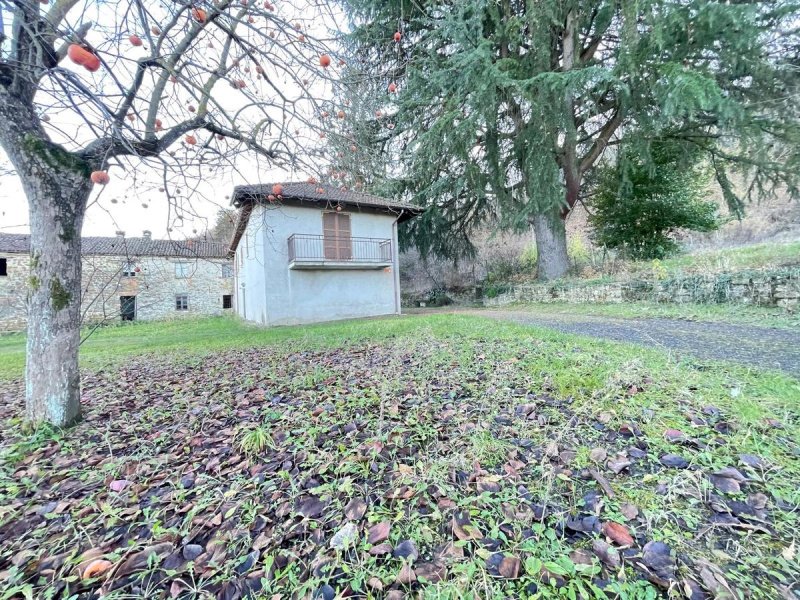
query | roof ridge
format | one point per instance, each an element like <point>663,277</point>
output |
<point>124,246</point>
<point>132,237</point>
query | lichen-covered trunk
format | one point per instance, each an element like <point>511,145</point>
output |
<point>52,380</point>
<point>551,244</point>
<point>57,185</point>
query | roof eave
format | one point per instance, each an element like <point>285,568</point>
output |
<point>409,213</point>
<point>241,225</point>
<point>242,199</point>
<point>245,199</point>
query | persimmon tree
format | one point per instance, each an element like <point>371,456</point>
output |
<point>503,109</point>
<point>91,91</point>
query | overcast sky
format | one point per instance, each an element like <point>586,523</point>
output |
<point>103,217</point>
<point>131,201</point>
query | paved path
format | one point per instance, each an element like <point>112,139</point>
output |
<point>758,346</point>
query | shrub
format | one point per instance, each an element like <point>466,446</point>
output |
<point>439,297</point>
<point>577,251</point>
<point>529,258</point>
<point>643,200</point>
<point>492,290</point>
<point>659,270</point>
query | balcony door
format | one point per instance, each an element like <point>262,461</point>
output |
<point>336,236</point>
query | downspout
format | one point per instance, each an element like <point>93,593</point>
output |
<point>396,263</point>
<point>235,290</point>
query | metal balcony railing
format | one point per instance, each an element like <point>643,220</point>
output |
<point>309,248</point>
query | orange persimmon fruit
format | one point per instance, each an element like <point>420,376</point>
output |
<point>99,177</point>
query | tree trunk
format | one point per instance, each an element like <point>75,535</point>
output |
<point>57,185</point>
<point>52,382</point>
<point>551,245</point>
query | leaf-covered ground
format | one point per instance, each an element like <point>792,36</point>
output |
<point>448,457</point>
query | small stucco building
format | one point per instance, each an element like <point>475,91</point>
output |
<point>128,279</point>
<point>315,253</point>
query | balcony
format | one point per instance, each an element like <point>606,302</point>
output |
<point>308,251</point>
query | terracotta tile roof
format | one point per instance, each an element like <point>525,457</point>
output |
<point>246,196</point>
<point>309,192</point>
<point>128,246</point>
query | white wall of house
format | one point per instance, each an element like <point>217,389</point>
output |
<point>270,293</point>
<point>250,271</point>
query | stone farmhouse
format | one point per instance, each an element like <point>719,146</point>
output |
<point>128,279</point>
<point>306,253</point>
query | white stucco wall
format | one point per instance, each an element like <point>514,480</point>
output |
<point>273,294</point>
<point>250,271</point>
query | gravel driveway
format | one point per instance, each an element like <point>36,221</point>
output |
<point>757,346</point>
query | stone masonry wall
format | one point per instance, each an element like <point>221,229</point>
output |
<point>155,286</point>
<point>13,291</point>
<point>757,288</point>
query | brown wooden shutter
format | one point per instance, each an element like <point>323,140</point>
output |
<point>345,243</point>
<point>336,241</point>
<point>329,236</point>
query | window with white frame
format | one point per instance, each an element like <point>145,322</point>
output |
<point>181,301</point>
<point>227,271</point>
<point>183,270</point>
<point>129,270</point>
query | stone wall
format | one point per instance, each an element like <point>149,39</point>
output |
<point>153,280</point>
<point>13,292</point>
<point>780,288</point>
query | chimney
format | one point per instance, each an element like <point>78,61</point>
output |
<point>147,234</point>
<point>120,234</point>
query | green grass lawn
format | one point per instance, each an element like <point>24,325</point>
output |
<point>437,456</point>
<point>741,258</point>
<point>773,255</point>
